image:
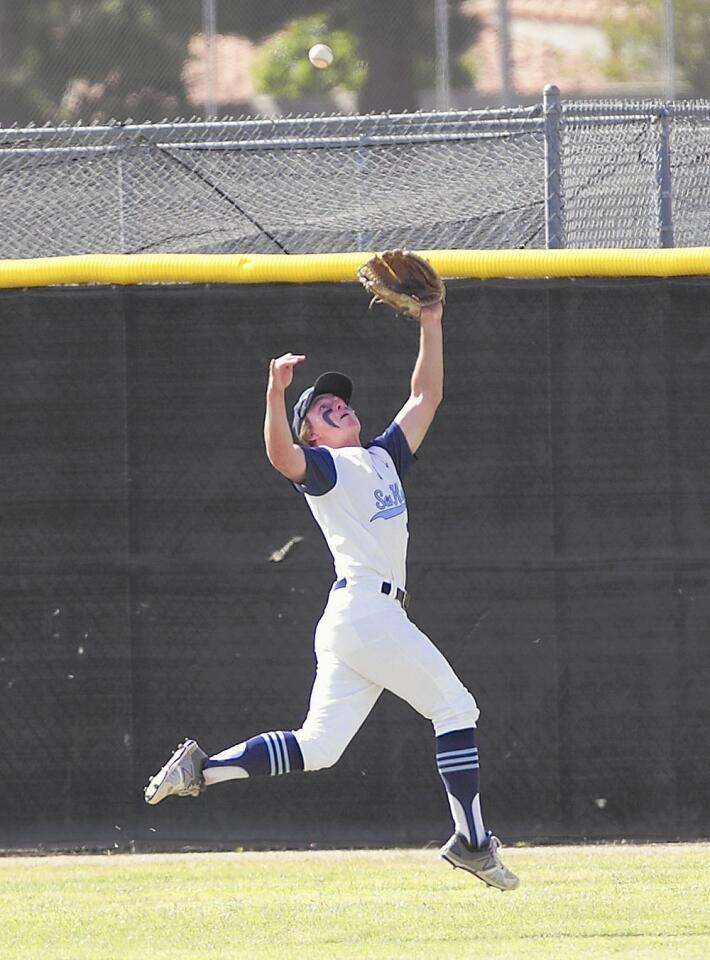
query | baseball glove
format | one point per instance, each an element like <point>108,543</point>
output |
<point>403,280</point>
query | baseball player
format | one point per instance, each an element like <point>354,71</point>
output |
<point>364,642</point>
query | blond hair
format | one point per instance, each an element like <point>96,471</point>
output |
<point>305,433</point>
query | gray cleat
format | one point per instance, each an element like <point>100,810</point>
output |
<point>483,862</point>
<point>180,777</point>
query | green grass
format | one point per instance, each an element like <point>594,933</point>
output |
<point>641,902</point>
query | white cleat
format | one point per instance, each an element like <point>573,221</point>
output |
<point>180,777</point>
<point>483,862</point>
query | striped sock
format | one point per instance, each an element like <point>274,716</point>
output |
<point>268,754</point>
<point>457,760</point>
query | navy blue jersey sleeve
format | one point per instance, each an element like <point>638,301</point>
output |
<point>395,443</point>
<point>320,472</point>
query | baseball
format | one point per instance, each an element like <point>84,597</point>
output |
<point>320,55</point>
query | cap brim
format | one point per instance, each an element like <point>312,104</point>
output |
<point>333,382</point>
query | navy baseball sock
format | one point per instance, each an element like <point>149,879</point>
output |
<point>268,754</point>
<point>457,760</point>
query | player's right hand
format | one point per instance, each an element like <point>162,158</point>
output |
<point>281,370</point>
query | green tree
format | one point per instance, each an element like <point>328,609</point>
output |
<point>63,60</point>
<point>636,41</point>
<point>395,38</point>
<point>284,70</point>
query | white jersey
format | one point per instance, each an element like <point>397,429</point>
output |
<point>357,498</point>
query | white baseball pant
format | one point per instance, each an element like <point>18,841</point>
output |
<point>364,644</point>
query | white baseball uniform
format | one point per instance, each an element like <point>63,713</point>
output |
<point>365,641</point>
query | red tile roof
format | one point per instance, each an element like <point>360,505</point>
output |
<point>550,41</point>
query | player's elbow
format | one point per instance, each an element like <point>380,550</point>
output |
<point>430,400</point>
<point>290,463</point>
<point>293,471</point>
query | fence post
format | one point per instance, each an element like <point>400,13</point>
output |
<point>209,30</point>
<point>664,182</point>
<point>121,206</point>
<point>504,44</point>
<point>552,110</point>
<point>443,58</point>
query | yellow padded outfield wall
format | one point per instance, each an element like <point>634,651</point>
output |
<point>160,268</point>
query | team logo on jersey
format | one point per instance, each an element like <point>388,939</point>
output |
<point>389,504</point>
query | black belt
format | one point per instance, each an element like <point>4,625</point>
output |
<point>401,596</point>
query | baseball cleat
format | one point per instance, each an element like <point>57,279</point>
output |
<point>483,862</point>
<point>180,777</point>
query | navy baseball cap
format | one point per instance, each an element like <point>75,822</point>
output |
<point>332,382</point>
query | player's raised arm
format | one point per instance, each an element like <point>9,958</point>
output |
<point>284,455</point>
<point>410,284</point>
<point>427,387</point>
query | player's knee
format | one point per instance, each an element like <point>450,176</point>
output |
<point>319,752</point>
<point>460,713</point>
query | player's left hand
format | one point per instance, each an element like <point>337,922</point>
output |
<point>404,281</point>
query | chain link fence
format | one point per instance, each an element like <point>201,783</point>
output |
<point>560,173</point>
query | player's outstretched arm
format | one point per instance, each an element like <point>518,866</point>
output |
<point>427,387</point>
<point>284,455</point>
